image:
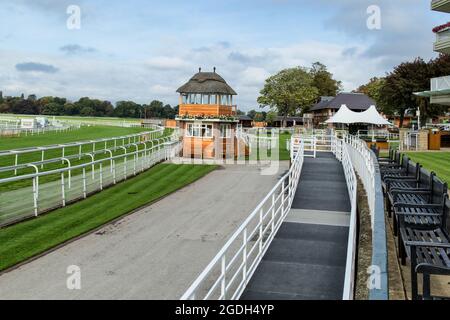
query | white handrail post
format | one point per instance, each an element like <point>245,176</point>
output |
<point>84,183</point>
<point>101,176</point>
<point>35,196</point>
<point>244,256</point>
<point>273,212</point>
<point>114,172</point>
<point>63,193</point>
<point>223,282</point>
<point>260,229</point>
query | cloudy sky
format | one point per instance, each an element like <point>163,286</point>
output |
<point>145,49</point>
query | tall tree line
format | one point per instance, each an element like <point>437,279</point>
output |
<point>85,107</point>
<point>293,91</point>
<point>394,93</point>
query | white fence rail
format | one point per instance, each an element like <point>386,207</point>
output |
<point>231,269</point>
<point>114,142</point>
<point>77,182</point>
<point>340,150</point>
<point>366,165</point>
<point>8,131</point>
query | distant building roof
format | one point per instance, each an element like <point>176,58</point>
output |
<point>245,118</point>
<point>281,118</point>
<point>354,101</point>
<point>207,83</point>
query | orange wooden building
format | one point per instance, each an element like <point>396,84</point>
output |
<point>207,117</point>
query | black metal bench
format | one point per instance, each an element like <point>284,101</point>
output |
<point>408,170</point>
<point>416,190</point>
<point>419,203</point>
<point>425,224</point>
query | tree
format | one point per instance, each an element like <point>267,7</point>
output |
<point>259,117</point>
<point>53,109</point>
<point>24,106</point>
<point>271,117</point>
<point>289,91</point>
<point>71,109</point>
<point>87,112</point>
<point>400,85</point>
<point>323,80</point>
<point>251,114</point>
<point>127,109</point>
<point>373,90</point>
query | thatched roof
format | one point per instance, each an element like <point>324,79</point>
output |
<point>207,83</point>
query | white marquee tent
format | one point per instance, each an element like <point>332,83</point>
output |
<point>347,116</point>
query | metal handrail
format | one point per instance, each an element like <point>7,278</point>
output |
<point>74,144</point>
<point>366,165</point>
<point>279,200</point>
<point>144,158</point>
<point>340,150</point>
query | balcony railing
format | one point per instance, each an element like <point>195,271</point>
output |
<point>441,83</point>
<point>207,110</point>
<point>440,5</point>
<point>442,43</point>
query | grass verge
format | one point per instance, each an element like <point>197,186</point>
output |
<point>439,162</point>
<point>33,237</point>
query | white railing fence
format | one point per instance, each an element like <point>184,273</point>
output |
<point>340,150</point>
<point>113,142</point>
<point>77,182</point>
<point>227,275</point>
<point>361,158</point>
<point>366,165</point>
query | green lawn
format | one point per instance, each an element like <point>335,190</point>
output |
<point>439,162</point>
<point>30,238</point>
<point>284,153</point>
<point>82,134</point>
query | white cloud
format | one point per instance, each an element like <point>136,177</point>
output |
<point>253,76</point>
<point>167,63</point>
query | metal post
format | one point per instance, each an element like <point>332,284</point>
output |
<point>223,282</point>
<point>273,212</point>
<point>42,159</point>
<point>63,193</point>
<point>35,197</point>
<point>101,176</point>
<point>84,183</point>
<point>114,171</point>
<point>15,163</point>
<point>125,168</point>
<point>260,230</point>
<point>244,257</point>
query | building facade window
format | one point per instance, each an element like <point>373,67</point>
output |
<point>197,130</point>
<point>225,131</point>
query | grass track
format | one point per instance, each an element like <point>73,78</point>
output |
<point>439,162</point>
<point>84,133</point>
<point>30,238</point>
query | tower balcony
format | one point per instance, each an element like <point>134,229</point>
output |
<point>213,110</point>
<point>442,43</point>
<point>440,5</point>
<point>440,91</point>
